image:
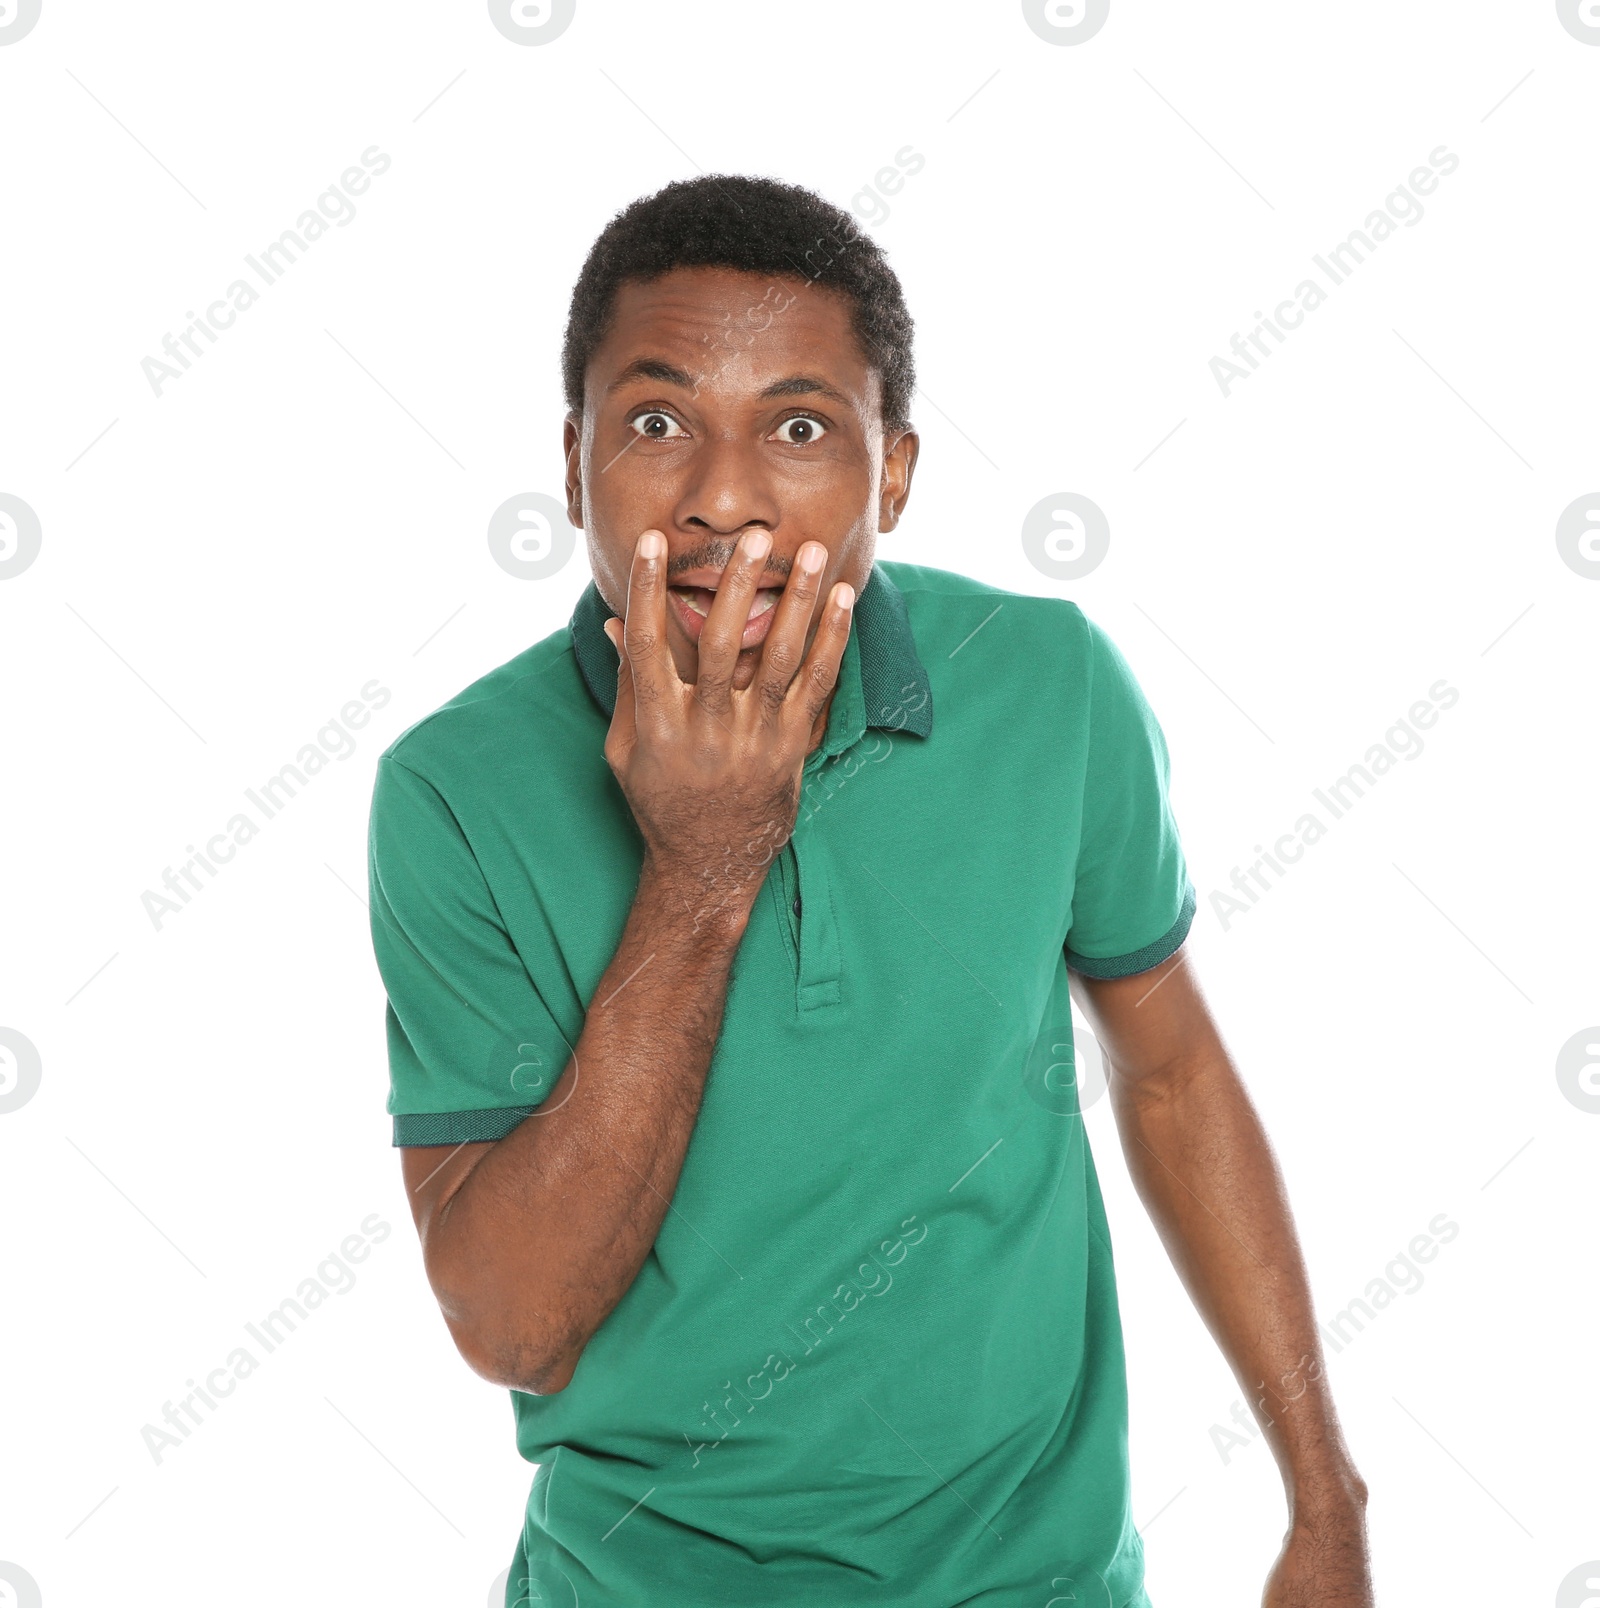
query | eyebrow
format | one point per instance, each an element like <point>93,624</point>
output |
<point>803,385</point>
<point>664,373</point>
<point>652,368</point>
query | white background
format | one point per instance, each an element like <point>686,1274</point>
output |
<point>1291,567</point>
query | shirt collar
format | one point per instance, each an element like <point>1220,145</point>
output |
<point>895,691</point>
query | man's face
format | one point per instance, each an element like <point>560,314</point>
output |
<point>721,402</point>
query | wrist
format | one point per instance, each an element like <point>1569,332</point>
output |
<point>705,912</point>
<point>1328,1495</point>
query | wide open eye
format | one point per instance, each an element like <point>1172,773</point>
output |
<point>656,426</point>
<point>801,430</point>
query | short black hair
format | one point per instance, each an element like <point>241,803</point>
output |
<point>755,225</point>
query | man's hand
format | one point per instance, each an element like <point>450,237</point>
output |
<point>531,1241</point>
<point>1324,1561</point>
<point>711,772</point>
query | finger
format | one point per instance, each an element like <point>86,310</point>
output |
<point>622,716</point>
<point>820,673</point>
<point>785,647</point>
<point>718,647</point>
<point>653,676</point>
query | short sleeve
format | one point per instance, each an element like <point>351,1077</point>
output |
<point>473,1049</point>
<point>1132,900</point>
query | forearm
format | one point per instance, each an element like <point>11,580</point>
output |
<point>1202,1164</point>
<point>547,1231</point>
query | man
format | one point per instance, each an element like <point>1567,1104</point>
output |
<point>727,936</point>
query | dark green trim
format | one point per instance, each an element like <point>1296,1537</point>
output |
<point>895,689</point>
<point>1141,959</point>
<point>459,1127</point>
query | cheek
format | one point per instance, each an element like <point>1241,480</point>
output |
<point>610,568</point>
<point>841,489</point>
<point>621,500</point>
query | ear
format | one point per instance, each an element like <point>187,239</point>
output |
<point>572,449</point>
<point>899,463</point>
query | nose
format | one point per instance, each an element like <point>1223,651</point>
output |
<point>727,491</point>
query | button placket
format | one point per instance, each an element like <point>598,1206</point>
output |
<point>784,881</point>
<point>816,932</point>
<point>817,987</point>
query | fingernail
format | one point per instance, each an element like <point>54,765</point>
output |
<point>758,544</point>
<point>811,557</point>
<point>650,544</point>
<point>847,594</point>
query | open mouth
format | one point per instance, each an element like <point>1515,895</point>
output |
<point>692,604</point>
<point>700,599</point>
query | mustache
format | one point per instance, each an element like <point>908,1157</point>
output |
<point>717,555</point>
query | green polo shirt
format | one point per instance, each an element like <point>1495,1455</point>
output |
<point>875,1354</point>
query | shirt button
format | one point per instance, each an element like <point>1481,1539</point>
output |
<point>797,904</point>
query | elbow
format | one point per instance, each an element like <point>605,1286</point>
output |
<point>550,1379</point>
<point>514,1359</point>
<point>504,1341</point>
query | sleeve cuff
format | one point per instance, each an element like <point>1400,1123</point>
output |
<point>459,1127</point>
<point>1141,959</point>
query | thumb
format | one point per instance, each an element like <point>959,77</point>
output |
<point>622,715</point>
